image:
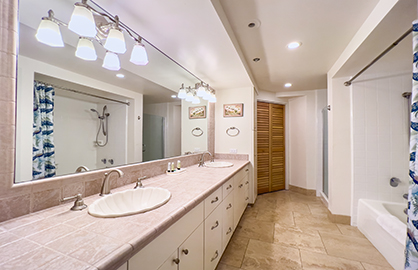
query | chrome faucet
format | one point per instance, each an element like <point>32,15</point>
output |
<point>202,160</point>
<point>106,186</point>
<point>81,168</point>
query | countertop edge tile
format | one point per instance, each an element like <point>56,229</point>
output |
<point>115,259</point>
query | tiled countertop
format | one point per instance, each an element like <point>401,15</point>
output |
<point>58,238</point>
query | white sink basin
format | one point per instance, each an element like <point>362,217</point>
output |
<point>129,202</point>
<point>218,164</point>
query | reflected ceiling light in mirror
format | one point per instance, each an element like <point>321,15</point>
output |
<point>115,41</point>
<point>287,85</point>
<point>120,75</point>
<point>173,96</point>
<point>49,31</point>
<point>139,54</point>
<point>294,45</point>
<point>85,50</point>
<point>111,61</point>
<point>82,21</point>
<point>182,92</point>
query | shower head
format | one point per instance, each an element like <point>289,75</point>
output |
<point>93,110</point>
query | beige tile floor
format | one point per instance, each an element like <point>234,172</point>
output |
<point>288,230</point>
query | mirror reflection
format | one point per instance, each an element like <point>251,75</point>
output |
<point>74,115</point>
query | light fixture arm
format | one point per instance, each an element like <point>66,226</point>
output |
<point>51,17</point>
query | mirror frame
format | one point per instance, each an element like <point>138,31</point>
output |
<point>27,197</point>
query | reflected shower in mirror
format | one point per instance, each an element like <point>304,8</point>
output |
<point>100,117</point>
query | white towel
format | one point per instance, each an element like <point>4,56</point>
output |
<point>393,226</point>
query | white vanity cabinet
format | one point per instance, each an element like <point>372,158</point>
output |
<point>198,240</point>
<point>241,193</point>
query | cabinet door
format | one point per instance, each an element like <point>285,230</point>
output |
<point>213,239</point>
<point>191,251</point>
<point>239,202</point>
<point>171,263</point>
<point>227,219</point>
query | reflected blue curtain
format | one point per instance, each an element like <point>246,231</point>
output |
<point>43,153</point>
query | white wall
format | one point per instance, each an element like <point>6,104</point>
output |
<point>171,111</point>
<point>380,138</point>
<point>27,69</point>
<point>190,143</point>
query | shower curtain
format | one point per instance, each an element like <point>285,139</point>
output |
<point>43,149</point>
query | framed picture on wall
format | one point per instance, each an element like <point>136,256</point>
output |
<point>197,112</point>
<point>234,110</point>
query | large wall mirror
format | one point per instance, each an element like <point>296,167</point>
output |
<point>95,117</point>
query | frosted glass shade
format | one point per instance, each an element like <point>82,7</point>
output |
<point>200,91</point>
<point>196,100</point>
<point>49,33</point>
<point>182,94</point>
<point>85,50</point>
<point>115,42</point>
<point>111,61</point>
<point>189,97</point>
<point>206,96</point>
<point>82,22</point>
<point>139,55</point>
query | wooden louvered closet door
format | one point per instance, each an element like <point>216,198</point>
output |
<point>270,147</point>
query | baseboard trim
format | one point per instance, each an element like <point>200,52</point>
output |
<point>304,191</point>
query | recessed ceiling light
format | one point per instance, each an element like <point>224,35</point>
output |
<point>294,45</point>
<point>287,84</point>
<point>120,75</point>
<point>256,59</point>
<point>173,96</point>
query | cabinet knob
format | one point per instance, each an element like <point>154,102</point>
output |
<point>229,187</point>
<point>229,206</point>
<point>229,231</point>
<point>240,186</point>
<point>247,183</point>
<point>215,226</point>
<point>246,170</point>
<point>215,200</point>
<point>214,256</point>
<point>185,251</point>
<point>176,260</point>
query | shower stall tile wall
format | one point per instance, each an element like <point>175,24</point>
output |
<point>380,138</point>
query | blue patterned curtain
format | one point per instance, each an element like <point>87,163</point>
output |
<point>43,153</point>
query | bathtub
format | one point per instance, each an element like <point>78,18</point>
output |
<point>376,220</point>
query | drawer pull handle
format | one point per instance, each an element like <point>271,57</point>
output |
<point>215,226</point>
<point>229,206</point>
<point>185,251</point>
<point>215,200</point>
<point>229,187</point>
<point>229,231</point>
<point>176,260</point>
<point>214,256</point>
<point>246,170</point>
<point>247,183</point>
<point>240,186</point>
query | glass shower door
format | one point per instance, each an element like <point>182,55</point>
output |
<point>153,137</point>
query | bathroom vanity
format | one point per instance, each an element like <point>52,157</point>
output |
<point>190,231</point>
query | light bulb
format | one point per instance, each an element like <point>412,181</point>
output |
<point>115,41</point>
<point>82,21</point>
<point>49,33</point>
<point>139,55</point>
<point>182,93</point>
<point>189,97</point>
<point>111,61</point>
<point>196,100</point>
<point>85,50</point>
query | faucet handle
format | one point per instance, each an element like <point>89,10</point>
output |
<point>139,182</point>
<point>78,204</point>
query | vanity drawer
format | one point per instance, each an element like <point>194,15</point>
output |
<point>228,187</point>
<point>213,201</point>
<point>213,239</point>
<point>227,219</point>
<point>241,174</point>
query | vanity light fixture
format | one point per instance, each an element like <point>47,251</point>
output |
<point>111,61</point>
<point>139,54</point>
<point>294,45</point>
<point>182,92</point>
<point>287,85</point>
<point>85,50</point>
<point>115,41</point>
<point>82,21</point>
<point>189,96</point>
<point>49,32</point>
<point>200,90</point>
<point>196,100</point>
<point>212,98</point>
